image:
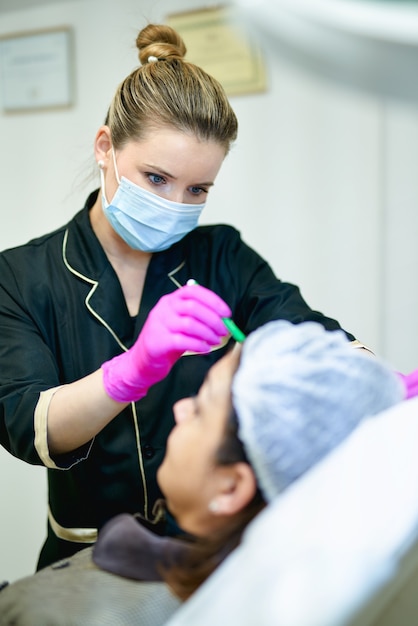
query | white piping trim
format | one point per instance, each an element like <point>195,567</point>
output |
<point>95,284</point>
<point>140,459</point>
<point>177,269</point>
<point>76,535</point>
<point>357,344</point>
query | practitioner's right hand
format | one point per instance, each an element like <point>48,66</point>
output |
<point>189,319</point>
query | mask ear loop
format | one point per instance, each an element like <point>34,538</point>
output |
<point>102,180</point>
<point>115,166</point>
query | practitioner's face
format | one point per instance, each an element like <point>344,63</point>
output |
<point>170,163</point>
<point>190,477</point>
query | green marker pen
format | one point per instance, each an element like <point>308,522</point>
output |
<point>236,333</point>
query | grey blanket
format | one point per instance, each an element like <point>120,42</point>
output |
<point>75,592</point>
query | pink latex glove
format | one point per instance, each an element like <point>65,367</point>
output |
<point>411,383</point>
<point>189,319</point>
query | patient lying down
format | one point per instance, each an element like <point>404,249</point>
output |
<point>264,415</point>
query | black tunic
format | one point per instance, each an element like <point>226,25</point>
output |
<point>63,313</point>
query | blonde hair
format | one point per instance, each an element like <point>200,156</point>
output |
<point>166,90</point>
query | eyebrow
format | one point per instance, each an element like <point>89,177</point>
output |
<point>160,170</point>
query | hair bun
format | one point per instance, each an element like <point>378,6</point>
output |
<point>159,42</point>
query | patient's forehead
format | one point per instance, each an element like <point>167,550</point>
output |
<point>222,372</point>
<point>229,362</point>
<point>214,397</point>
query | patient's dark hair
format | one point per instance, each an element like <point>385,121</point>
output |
<point>207,553</point>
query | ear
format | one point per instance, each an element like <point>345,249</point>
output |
<point>236,487</point>
<point>103,145</point>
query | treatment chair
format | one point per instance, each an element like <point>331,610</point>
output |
<point>74,592</point>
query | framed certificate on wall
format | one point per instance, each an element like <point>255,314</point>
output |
<point>217,42</point>
<point>36,70</point>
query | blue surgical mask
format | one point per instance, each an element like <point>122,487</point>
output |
<point>145,220</point>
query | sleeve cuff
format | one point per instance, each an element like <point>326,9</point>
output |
<point>66,461</point>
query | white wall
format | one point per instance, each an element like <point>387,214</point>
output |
<point>321,182</point>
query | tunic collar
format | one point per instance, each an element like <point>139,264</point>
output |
<point>85,258</point>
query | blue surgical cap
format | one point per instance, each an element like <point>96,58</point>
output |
<point>298,392</point>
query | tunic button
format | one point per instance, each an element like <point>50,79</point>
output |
<point>148,451</point>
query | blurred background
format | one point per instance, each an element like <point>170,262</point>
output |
<point>321,182</point>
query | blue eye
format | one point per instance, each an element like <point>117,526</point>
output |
<point>196,191</point>
<point>156,179</point>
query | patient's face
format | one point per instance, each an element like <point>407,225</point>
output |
<point>188,475</point>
